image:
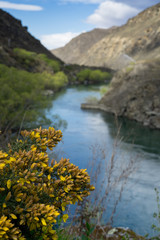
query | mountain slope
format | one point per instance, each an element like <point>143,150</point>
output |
<point>134,49</point>
<point>14,35</point>
<point>79,45</point>
<point>134,93</point>
<point>139,39</point>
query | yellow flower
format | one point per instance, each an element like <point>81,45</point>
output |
<point>4,205</point>
<point>49,177</point>
<point>33,148</point>
<point>11,159</point>
<point>62,178</point>
<point>2,165</point>
<point>9,184</point>
<point>65,217</point>
<point>43,221</point>
<point>37,135</point>
<point>13,216</point>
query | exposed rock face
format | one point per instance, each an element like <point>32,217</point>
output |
<point>12,35</point>
<point>135,93</point>
<point>139,39</point>
<point>78,46</point>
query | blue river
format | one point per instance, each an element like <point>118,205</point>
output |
<point>92,138</point>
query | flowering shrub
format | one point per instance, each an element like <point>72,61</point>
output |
<point>32,193</point>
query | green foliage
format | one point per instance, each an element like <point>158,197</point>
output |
<point>83,75</point>
<point>33,194</point>
<point>25,57</point>
<point>20,96</point>
<point>52,63</point>
<point>24,54</point>
<point>60,80</point>
<point>88,232</point>
<point>104,90</point>
<point>54,82</point>
<point>126,237</point>
<point>96,76</point>
<point>63,232</point>
<point>29,59</point>
<point>99,76</point>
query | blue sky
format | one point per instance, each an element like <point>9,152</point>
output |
<point>55,22</point>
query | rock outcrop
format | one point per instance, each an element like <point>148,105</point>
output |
<point>134,92</point>
<point>138,39</point>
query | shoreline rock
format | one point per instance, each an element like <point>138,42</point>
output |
<point>134,93</point>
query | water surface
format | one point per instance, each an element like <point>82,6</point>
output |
<point>86,128</point>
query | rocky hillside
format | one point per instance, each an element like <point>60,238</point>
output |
<point>14,35</point>
<point>79,45</point>
<point>134,93</point>
<point>134,49</point>
<point>138,39</point>
<point>135,96</point>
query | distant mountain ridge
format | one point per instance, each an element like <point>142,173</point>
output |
<point>134,50</point>
<point>14,35</point>
<point>79,45</point>
<point>139,39</point>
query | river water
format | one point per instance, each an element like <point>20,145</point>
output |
<point>87,131</point>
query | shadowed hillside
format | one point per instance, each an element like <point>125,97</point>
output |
<point>14,35</point>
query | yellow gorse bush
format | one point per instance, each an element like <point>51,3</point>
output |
<point>33,193</point>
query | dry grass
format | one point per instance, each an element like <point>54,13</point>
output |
<point>109,176</point>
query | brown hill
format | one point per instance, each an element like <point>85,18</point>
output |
<point>14,35</point>
<point>134,49</point>
<point>78,46</point>
<point>134,93</point>
<point>138,39</point>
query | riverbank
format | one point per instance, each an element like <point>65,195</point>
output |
<point>134,93</point>
<point>94,128</point>
<point>98,232</point>
<point>145,122</point>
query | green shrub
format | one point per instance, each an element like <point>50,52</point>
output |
<point>83,75</point>
<point>96,76</point>
<point>55,82</point>
<point>25,57</point>
<point>99,76</point>
<point>20,97</point>
<point>24,53</point>
<point>55,65</point>
<point>60,80</point>
<point>28,59</point>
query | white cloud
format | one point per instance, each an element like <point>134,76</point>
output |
<point>111,13</point>
<point>17,6</point>
<point>53,41</point>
